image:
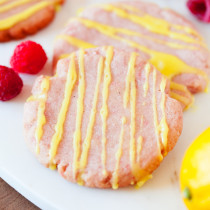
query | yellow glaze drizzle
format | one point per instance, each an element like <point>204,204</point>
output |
<point>168,64</point>
<point>143,180</point>
<point>163,126</point>
<point>146,83</point>
<point>76,42</point>
<point>118,156</point>
<point>154,103</point>
<point>129,7</point>
<point>184,100</point>
<point>186,29</point>
<point>126,98</point>
<point>139,141</point>
<point>65,55</point>
<point>147,37</point>
<point>130,96</point>
<point>181,88</point>
<point>187,101</point>
<point>90,126</point>
<point>16,18</point>
<point>155,25</point>
<point>134,33</point>
<point>129,78</point>
<point>41,120</point>
<point>139,147</point>
<point>57,137</point>
<point>80,109</point>
<point>176,86</point>
<point>104,110</point>
<point>132,81</point>
<point>31,98</point>
<point>13,5</point>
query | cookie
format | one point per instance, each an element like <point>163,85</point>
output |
<point>104,120</point>
<point>19,18</point>
<point>170,42</point>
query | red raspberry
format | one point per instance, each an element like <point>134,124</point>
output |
<point>200,8</point>
<point>10,83</point>
<point>29,57</point>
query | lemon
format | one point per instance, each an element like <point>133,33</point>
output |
<point>195,174</point>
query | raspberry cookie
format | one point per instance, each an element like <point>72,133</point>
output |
<point>19,18</point>
<point>105,120</point>
<point>167,39</point>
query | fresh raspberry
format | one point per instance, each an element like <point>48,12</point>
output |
<point>200,8</point>
<point>10,83</point>
<point>29,57</point>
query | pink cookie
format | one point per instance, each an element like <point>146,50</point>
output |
<point>105,120</point>
<point>166,38</point>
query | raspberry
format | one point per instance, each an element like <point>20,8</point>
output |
<point>29,57</point>
<point>200,8</point>
<point>10,83</point>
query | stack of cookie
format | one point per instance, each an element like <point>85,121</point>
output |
<point>108,117</point>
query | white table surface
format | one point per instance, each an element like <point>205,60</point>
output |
<point>46,188</point>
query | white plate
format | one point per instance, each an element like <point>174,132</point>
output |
<point>46,188</point>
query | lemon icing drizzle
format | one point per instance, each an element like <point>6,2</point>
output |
<point>176,86</point>
<point>139,141</point>
<point>155,25</point>
<point>75,42</point>
<point>127,85</point>
<point>132,110</point>
<point>156,125</point>
<point>41,119</point>
<point>80,108</point>
<point>175,45</point>
<point>168,64</point>
<point>186,29</point>
<point>183,99</point>
<point>146,83</point>
<point>118,156</point>
<point>187,99</point>
<point>59,127</point>
<point>163,126</point>
<point>90,126</point>
<point>131,33</point>
<point>104,110</point>
<point>130,96</point>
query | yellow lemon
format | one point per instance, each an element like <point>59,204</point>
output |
<point>195,174</point>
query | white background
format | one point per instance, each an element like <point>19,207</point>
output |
<point>46,188</point>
